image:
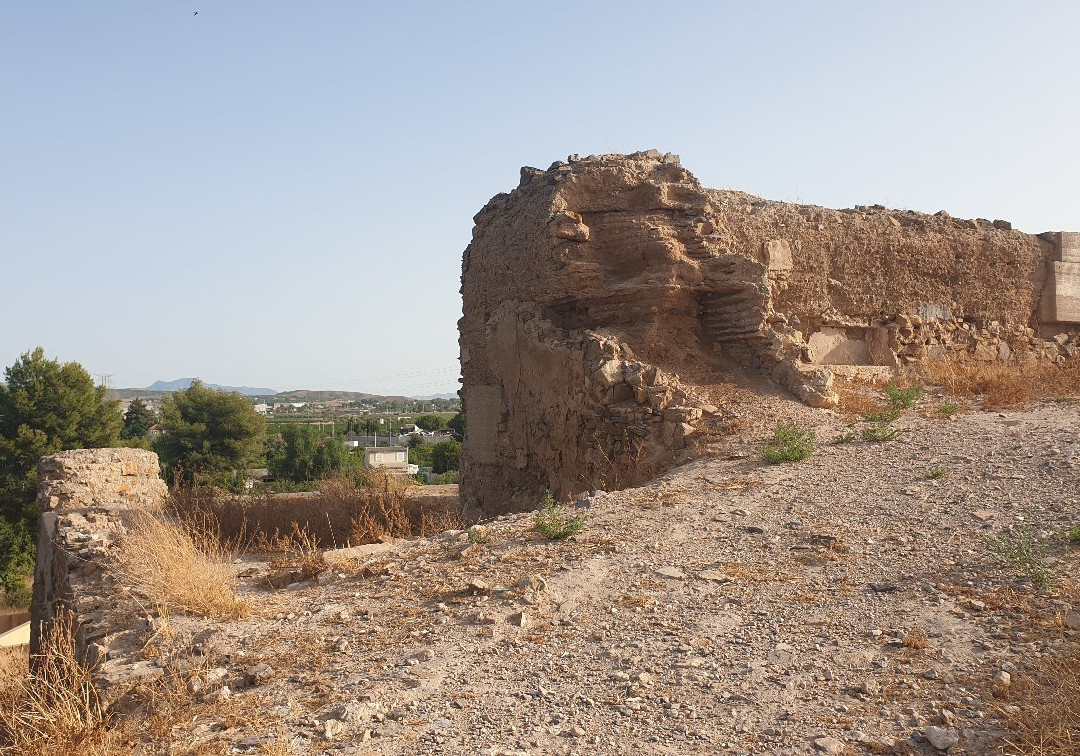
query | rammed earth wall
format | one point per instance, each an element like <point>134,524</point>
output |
<point>590,286</point>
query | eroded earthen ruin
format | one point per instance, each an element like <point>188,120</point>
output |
<point>603,294</point>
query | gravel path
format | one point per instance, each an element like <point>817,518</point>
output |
<point>845,604</point>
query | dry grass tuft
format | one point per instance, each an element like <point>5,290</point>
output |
<point>53,707</point>
<point>916,640</point>
<point>178,566</point>
<point>433,523</point>
<point>1046,720</point>
<point>376,506</point>
<point>299,557</point>
<point>1005,385</point>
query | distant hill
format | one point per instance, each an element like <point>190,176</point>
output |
<point>305,395</point>
<point>161,388</point>
<point>182,383</point>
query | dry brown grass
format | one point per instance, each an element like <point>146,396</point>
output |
<point>376,507</point>
<point>178,565</point>
<point>860,400</point>
<point>343,512</point>
<point>1046,721</point>
<point>54,708</point>
<point>1005,385</point>
<point>298,557</point>
<point>916,640</point>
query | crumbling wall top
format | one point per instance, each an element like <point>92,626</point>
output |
<point>105,478</point>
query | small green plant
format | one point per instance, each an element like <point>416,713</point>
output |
<point>844,438</point>
<point>789,444</point>
<point>948,409</point>
<point>479,536</point>
<point>1021,550</point>
<point>883,416</point>
<point>934,473</point>
<point>903,398</point>
<point>1072,535</point>
<point>880,433</point>
<point>553,522</point>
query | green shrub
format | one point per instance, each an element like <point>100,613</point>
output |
<point>935,473</point>
<point>1072,535</point>
<point>554,523</point>
<point>880,433</point>
<point>882,417</point>
<point>1020,550</point>
<point>789,444</point>
<point>948,409</point>
<point>903,398</point>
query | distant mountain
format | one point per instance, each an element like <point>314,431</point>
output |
<point>429,397</point>
<point>182,383</point>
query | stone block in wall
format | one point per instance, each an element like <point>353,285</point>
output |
<point>1069,247</point>
<point>833,346</point>
<point>1061,295</point>
<point>778,255</point>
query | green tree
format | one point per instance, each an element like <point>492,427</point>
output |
<point>305,454</point>
<point>457,424</point>
<point>430,422</point>
<point>445,456</point>
<point>137,420</point>
<point>206,433</point>
<point>45,407</point>
<point>420,454</point>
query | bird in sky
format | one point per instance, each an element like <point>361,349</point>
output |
<point>195,13</point>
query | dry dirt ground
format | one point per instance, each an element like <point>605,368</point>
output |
<point>844,604</point>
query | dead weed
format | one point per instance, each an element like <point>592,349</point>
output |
<point>53,706</point>
<point>1045,716</point>
<point>177,565</point>
<point>1004,385</point>
<point>298,557</point>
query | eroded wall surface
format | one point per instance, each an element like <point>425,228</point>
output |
<point>84,497</point>
<point>601,291</point>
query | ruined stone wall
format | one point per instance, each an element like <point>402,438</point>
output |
<point>599,293</point>
<point>83,496</point>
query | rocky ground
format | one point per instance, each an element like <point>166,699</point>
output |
<point>844,604</point>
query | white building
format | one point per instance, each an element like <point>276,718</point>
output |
<point>394,458</point>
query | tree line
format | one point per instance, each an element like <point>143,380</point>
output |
<point>201,436</point>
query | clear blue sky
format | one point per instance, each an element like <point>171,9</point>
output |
<point>278,193</point>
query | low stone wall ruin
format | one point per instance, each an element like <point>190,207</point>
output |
<point>601,292</point>
<point>83,496</point>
